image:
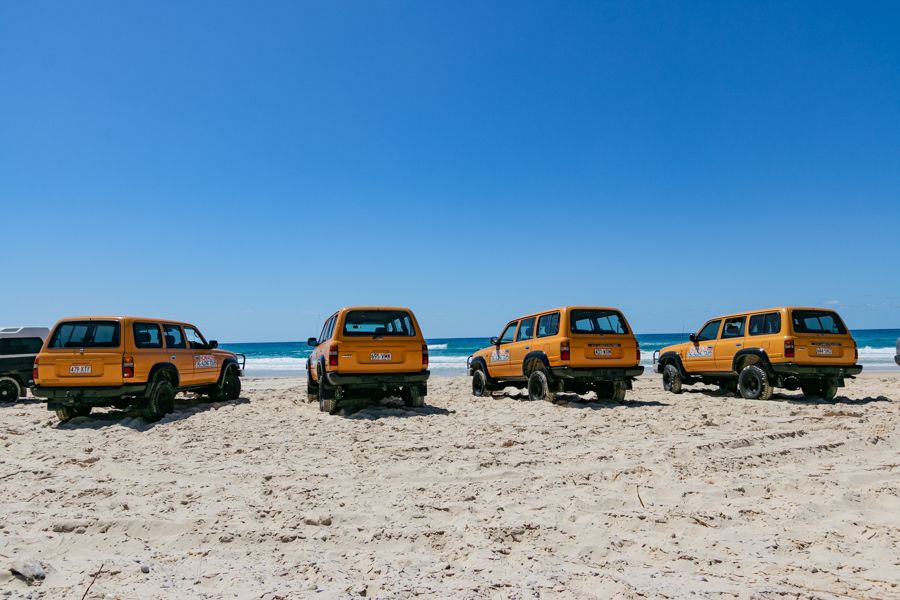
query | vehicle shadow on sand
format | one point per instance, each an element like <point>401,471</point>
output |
<point>591,402</point>
<point>793,397</point>
<point>389,409</point>
<point>131,418</point>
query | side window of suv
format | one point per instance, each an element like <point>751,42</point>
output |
<point>146,335</point>
<point>767,324</point>
<point>710,331</point>
<point>174,337</point>
<point>526,330</point>
<point>548,325</point>
<point>734,328</point>
<point>509,333</point>
<point>195,338</point>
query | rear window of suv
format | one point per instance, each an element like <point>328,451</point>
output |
<point>86,334</point>
<point>817,321</point>
<point>371,323</point>
<point>597,321</point>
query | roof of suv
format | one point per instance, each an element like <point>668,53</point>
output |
<point>775,309</point>
<point>124,318</point>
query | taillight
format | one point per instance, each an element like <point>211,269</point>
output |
<point>637,350</point>
<point>128,367</point>
<point>34,370</point>
<point>424,356</point>
<point>333,355</point>
<point>789,348</point>
<point>564,353</point>
<point>855,353</point>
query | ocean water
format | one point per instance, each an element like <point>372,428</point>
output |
<point>877,348</point>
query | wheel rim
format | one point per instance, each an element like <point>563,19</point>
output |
<point>536,388</point>
<point>478,384</point>
<point>229,387</point>
<point>667,380</point>
<point>8,392</point>
<point>752,383</point>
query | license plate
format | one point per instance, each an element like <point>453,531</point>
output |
<point>824,351</point>
<point>80,370</point>
<point>602,352</point>
<point>380,356</point>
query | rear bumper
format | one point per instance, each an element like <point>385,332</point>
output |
<point>792,370</point>
<point>376,380</point>
<point>599,374</point>
<point>87,396</point>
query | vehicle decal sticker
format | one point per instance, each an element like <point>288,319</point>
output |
<point>205,361</point>
<point>700,351</point>
<point>500,356</point>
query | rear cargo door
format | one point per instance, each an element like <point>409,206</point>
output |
<point>379,341</point>
<point>83,354</point>
<point>600,338</point>
<point>821,338</point>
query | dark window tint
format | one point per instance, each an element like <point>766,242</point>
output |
<point>710,331</point>
<point>195,339</point>
<point>146,335</point>
<point>174,337</point>
<point>526,330</point>
<point>817,321</point>
<point>766,324</point>
<point>509,333</point>
<point>548,325</point>
<point>393,323</point>
<point>86,334</point>
<point>734,328</point>
<point>13,346</point>
<point>597,321</point>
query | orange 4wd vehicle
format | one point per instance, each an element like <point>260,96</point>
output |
<point>130,361</point>
<point>571,349</point>
<point>368,352</point>
<point>756,351</point>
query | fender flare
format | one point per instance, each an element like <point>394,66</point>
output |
<point>480,361</point>
<point>757,352</point>
<point>672,357</point>
<point>228,362</point>
<point>535,354</point>
<point>159,367</point>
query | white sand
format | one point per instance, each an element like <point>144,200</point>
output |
<point>469,498</point>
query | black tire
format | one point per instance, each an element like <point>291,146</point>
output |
<point>312,389</point>
<point>9,390</point>
<point>754,384</point>
<point>231,385</point>
<point>160,402</point>
<point>327,401</point>
<point>672,381</point>
<point>479,384</point>
<point>328,405</point>
<point>539,386</point>
<point>67,413</point>
<point>611,390</point>
<point>820,389</point>
<point>413,397</point>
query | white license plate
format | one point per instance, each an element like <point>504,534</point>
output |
<point>602,352</point>
<point>824,351</point>
<point>380,356</point>
<point>80,370</point>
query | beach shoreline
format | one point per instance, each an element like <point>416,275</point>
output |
<point>267,497</point>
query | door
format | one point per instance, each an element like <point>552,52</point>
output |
<point>498,360</point>
<point>206,364</point>
<point>521,347</point>
<point>700,355</point>
<point>178,353</point>
<point>148,348</point>
<point>730,343</point>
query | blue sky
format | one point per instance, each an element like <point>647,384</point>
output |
<point>252,166</point>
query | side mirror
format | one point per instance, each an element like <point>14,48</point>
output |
<point>213,344</point>
<point>693,337</point>
<point>312,342</point>
<point>495,341</point>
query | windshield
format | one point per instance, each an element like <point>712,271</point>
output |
<point>378,323</point>
<point>597,321</point>
<point>817,321</point>
<point>86,334</point>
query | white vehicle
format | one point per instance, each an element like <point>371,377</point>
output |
<point>18,347</point>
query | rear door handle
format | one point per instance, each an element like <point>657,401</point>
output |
<point>738,345</point>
